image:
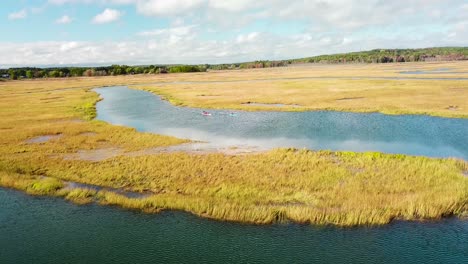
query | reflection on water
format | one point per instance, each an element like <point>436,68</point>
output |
<point>407,134</point>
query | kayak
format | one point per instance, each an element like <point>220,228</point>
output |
<point>206,113</point>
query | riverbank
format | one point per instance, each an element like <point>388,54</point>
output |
<point>444,98</point>
<point>284,185</point>
<point>420,89</point>
<point>320,187</point>
<point>432,88</point>
<point>266,130</point>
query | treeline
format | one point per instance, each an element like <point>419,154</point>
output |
<point>392,55</point>
<point>57,72</point>
<point>372,56</point>
<point>27,72</point>
<point>249,65</point>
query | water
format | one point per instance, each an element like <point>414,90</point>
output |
<point>436,71</point>
<point>50,230</point>
<point>406,134</point>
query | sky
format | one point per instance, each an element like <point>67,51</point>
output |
<point>141,32</point>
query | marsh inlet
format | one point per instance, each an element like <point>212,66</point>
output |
<point>329,130</point>
<point>435,71</point>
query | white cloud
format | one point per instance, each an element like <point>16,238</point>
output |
<point>178,31</point>
<point>323,27</point>
<point>464,8</point>
<point>176,37</point>
<point>178,45</point>
<point>18,15</point>
<point>336,14</point>
<point>243,38</point>
<point>232,5</point>
<point>120,2</point>
<point>64,20</point>
<point>167,8</point>
<point>67,46</point>
<point>117,2</point>
<point>107,16</point>
<point>62,2</point>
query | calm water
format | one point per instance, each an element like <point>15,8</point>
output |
<point>407,134</point>
<point>49,230</point>
<point>435,71</point>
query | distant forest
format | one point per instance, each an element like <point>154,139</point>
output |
<point>372,56</point>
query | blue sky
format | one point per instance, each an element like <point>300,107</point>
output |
<point>92,32</point>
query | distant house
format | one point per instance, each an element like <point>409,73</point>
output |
<point>6,76</point>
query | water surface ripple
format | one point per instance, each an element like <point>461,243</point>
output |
<point>406,134</point>
<point>50,230</point>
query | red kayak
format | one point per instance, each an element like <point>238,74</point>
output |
<point>205,113</point>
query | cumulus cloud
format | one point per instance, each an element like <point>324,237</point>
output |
<point>179,45</point>
<point>244,38</point>
<point>118,2</point>
<point>64,20</point>
<point>18,15</point>
<point>62,2</point>
<point>167,8</point>
<point>107,16</point>
<point>178,31</point>
<point>232,5</point>
<point>248,30</point>
<point>336,14</point>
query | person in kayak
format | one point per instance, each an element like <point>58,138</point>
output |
<point>205,113</point>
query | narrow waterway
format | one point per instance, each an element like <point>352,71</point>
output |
<point>405,134</point>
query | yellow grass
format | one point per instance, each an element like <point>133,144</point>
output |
<point>341,188</point>
<point>448,98</point>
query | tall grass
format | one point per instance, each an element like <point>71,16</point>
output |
<point>354,92</point>
<point>282,185</point>
<point>324,187</point>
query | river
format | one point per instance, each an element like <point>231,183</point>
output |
<point>330,130</point>
<point>50,230</point>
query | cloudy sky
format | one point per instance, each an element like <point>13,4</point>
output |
<point>100,32</point>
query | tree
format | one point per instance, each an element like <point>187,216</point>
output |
<point>13,74</point>
<point>89,73</point>
<point>76,72</point>
<point>117,70</point>
<point>29,74</point>
<point>55,74</point>
<point>39,74</point>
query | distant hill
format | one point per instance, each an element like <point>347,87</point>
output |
<point>372,56</point>
<point>392,55</point>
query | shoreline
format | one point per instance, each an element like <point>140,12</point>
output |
<point>147,201</point>
<point>96,194</point>
<point>290,107</point>
<point>315,187</point>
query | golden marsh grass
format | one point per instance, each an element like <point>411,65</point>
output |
<point>317,88</point>
<point>322,187</point>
